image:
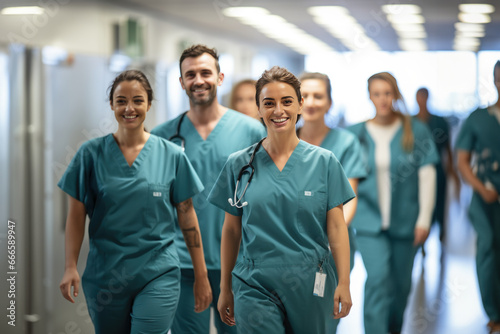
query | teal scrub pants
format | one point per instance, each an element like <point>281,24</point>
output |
<point>388,262</point>
<point>124,307</point>
<point>279,299</point>
<point>186,320</point>
<point>332,324</point>
<point>439,209</point>
<point>486,221</point>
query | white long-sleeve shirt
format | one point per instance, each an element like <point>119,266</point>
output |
<point>383,135</point>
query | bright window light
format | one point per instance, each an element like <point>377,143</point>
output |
<point>401,9</point>
<point>476,8</point>
<point>25,10</point>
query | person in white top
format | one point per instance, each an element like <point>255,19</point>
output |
<point>395,202</point>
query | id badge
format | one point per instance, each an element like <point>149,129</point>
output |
<point>319,284</point>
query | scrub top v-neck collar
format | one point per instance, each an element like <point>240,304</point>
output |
<point>120,160</point>
<point>292,160</point>
<point>212,134</point>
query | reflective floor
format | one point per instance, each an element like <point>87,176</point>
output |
<point>445,294</point>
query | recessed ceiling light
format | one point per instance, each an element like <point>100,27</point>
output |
<point>412,34</point>
<point>467,41</point>
<point>24,10</point>
<point>245,11</point>
<point>460,26</point>
<point>277,28</point>
<point>329,11</point>
<point>412,45</point>
<point>475,34</point>
<point>406,18</point>
<point>408,27</point>
<point>476,8</point>
<point>474,18</point>
<point>401,9</point>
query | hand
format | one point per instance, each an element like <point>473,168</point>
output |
<point>421,235</point>
<point>225,306</point>
<point>342,299</point>
<point>202,294</point>
<point>70,279</point>
<point>489,195</point>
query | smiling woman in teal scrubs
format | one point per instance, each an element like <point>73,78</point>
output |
<point>289,215</point>
<point>395,204</point>
<point>316,91</point>
<point>129,183</point>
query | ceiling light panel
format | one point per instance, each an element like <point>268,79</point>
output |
<point>470,27</point>
<point>340,24</point>
<point>24,10</point>
<point>277,28</point>
<point>408,23</point>
<point>477,8</point>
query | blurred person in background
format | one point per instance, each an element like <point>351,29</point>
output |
<point>480,136</point>
<point>441,133</point>
<point>395,204</point>
<point>243,98</point>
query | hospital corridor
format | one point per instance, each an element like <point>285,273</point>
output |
<point>182,166</point>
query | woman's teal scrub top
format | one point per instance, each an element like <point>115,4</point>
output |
<point>404,168</point>
<point>233,132</point>
<point>347,150</point>
<point>284,221</point>
<point>131,208</point>
<point>480,134</point>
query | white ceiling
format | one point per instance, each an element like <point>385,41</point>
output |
<point>440,17</point>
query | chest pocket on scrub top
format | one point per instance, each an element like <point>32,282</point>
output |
<point>311,204</point>
<point>158,197</point>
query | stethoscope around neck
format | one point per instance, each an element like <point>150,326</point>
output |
<point>235,201</point>
<point>177,134</point>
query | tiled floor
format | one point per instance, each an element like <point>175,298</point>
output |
<point>445,295</point>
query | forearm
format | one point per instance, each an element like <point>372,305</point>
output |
<point>426,195</point>
<point>188,223</point>
<point>75,232</point>
<point>350,208</point>
<point>466,171</point>
<point>230,244</point>
<point>339,242</point>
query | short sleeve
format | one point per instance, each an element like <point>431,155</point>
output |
<point>76,180</point>
<point>223,189</point>
<point>339,190</point>
<point>353,162</point>
<point>424,148</point>
<point>186,183</point>
<point>73,182</point>
<point>466,138</point>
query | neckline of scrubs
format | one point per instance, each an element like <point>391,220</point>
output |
<point>120,160</point>
<point>213,133</point>
<point>324,141</point>
<point>267,160</point>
